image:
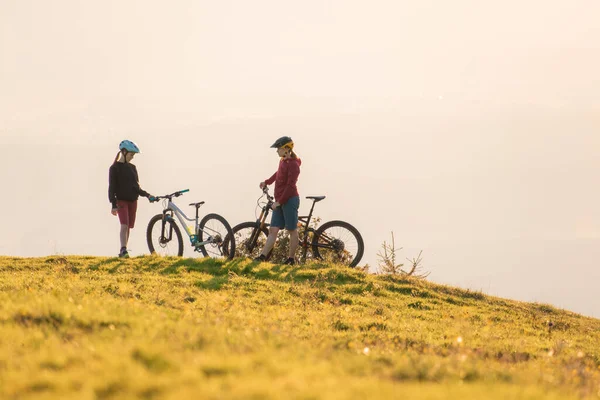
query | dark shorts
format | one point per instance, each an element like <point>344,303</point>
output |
<point>286,216</point>
<point>126,212</point>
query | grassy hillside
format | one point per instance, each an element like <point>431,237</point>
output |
<point>86,327</point>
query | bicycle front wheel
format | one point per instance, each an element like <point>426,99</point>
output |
<point>164,237</point>
<point>249,239</point>
<point>216,232</point>
<point>338,242</point>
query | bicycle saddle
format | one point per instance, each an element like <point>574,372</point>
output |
<point>197,204</point>
<point>316,198</point>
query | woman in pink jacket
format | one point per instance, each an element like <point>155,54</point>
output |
<point>287,199</point>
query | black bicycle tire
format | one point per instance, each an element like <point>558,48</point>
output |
<point>349,227</point>
<point>226,239</point>
<point>154,220</point>
<point>245,225</point>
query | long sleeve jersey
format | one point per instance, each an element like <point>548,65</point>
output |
<point>123,183</point>
<point>285,179</point>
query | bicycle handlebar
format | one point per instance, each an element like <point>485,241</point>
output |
<point>170,196</point>
<point>266,193</point>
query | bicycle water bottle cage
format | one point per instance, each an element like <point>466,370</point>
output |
<point>316,198</point>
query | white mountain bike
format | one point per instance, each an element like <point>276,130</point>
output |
<point>206,237</point>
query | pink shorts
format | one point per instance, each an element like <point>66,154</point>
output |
<point>126,212</point>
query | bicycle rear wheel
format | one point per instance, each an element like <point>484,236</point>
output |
<point>164,242</point>
<point>249,239</point>
<point>338,242</point>
<point>215,230</point>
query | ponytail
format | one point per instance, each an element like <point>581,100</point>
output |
<point>292,154</point>
<point>121,152</point>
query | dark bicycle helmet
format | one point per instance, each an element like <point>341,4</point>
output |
<point>284,141</point>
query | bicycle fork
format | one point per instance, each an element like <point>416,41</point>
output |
<point>167,216</point>
<point>260,225</point>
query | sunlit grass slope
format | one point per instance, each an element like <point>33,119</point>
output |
<point>86,327</point>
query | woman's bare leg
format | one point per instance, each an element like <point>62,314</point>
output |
<point>124,235</point>
<point>273,231</point>
<point>293,242</point>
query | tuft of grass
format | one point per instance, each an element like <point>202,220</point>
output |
<point>152,362</point>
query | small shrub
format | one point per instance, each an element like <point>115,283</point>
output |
<point>388,265</point>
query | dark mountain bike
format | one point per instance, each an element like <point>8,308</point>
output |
<point>206,237</point>
<point>334,241</point>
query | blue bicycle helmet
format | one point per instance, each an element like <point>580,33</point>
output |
<point>129,146</point>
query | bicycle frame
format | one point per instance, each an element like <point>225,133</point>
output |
<point>172,208</point>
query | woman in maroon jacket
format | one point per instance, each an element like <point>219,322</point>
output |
<point>287,199</point>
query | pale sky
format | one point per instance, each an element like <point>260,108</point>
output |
<point>470,129</point>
